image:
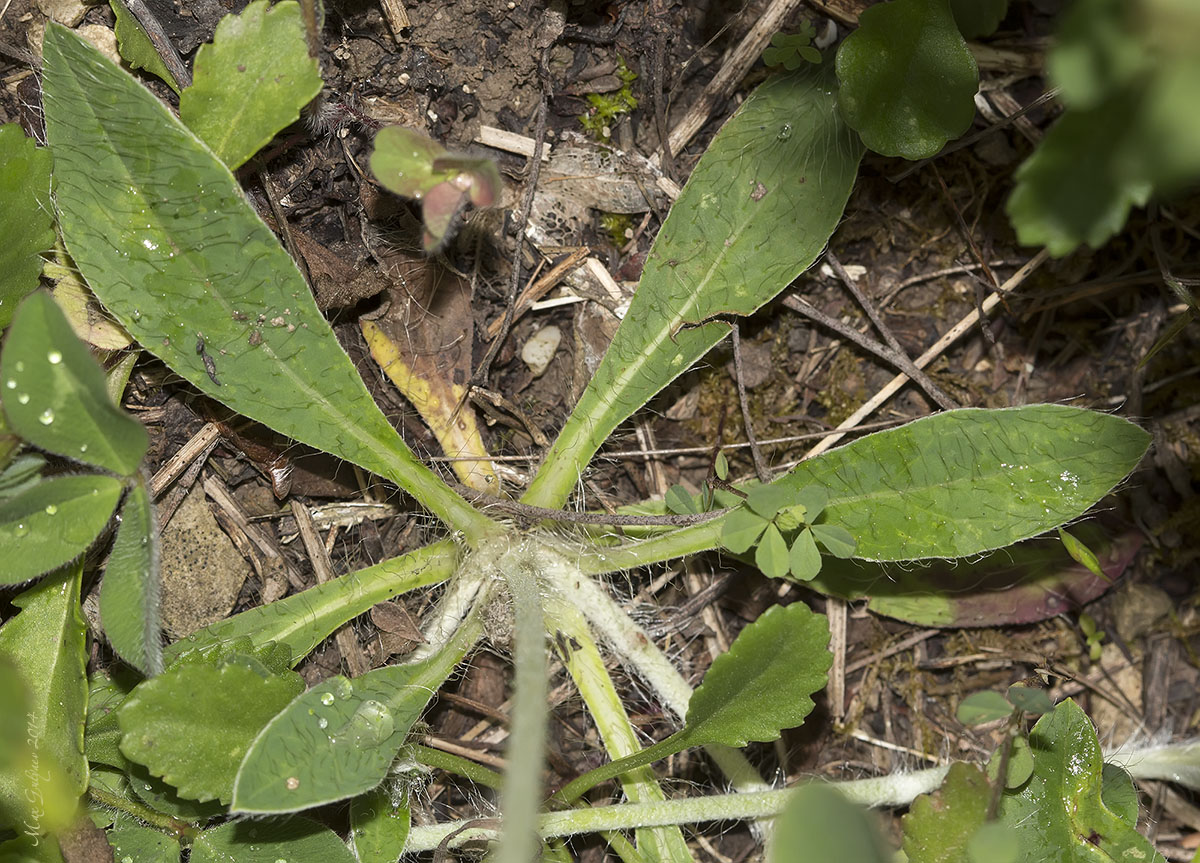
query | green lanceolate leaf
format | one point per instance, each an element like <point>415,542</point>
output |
<point>165,237</point>
<point>136,48</point>
<point>193,723</point>
<point>782,166</point>
<point>53,523</point>
<point>818,823</point>
<point>303,620</point>
<point>338,739</point>
<point>45,645</point>
<point>378,827</point>
<point>26,218</point>
<point>765,681</point>
<point>251,81</point>
<point>967,481</point>
<point>129,595</point>
<point>55,395</point>
<point>1060,813</point>
<point>938,825</point>
<point>908,80</point>
<point>269,841</point>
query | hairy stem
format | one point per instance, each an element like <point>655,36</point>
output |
<point>636,649</point>
<point>586,667</point>
<point>521,795</point>
<point>883,791</point>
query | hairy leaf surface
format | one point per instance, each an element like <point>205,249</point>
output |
<point>303,620</point>
<point>26,218</point>
<point>129,595</point>
<point>165,237</point>
<point>55,394</point>
<point>337,739</point>
<point>45,645</point>
<point>755,213</point>
<point>53,523</point>
<point>967,481</point>
<point>270,841</point>
<point>193,723</point>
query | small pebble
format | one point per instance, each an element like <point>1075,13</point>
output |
<point>539,350</point>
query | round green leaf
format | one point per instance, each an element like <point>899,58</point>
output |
<point>251,81</point>
<point>1060,812</point>
<point>766,500</point>
<point>269,841</point>
<point>819,823</point>
<point>908,81</point>
<point>977,18</point>
<point>765,682</point>
<point>938,825</point>
<point>193,723</point>
<point>55,396</point>
<point>1019,767</point>
<point>1031,699</point>
<point>53,523</point>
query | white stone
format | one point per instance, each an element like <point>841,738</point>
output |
<point>539,350</point>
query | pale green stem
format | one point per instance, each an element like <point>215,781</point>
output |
<point>883,791</point>
<point>303,620</point>
<point>637,650</point>
<point>666,546</point>
<point>433,493</point>
<point>586,667</point>
<point>522,793</point>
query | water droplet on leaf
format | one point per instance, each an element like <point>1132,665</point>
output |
<point>327,699</point>
<point>55,357</point>
<point>11,384</point>
<point>46,417</point>
<point>23,398</point>
<point>51,509</point>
